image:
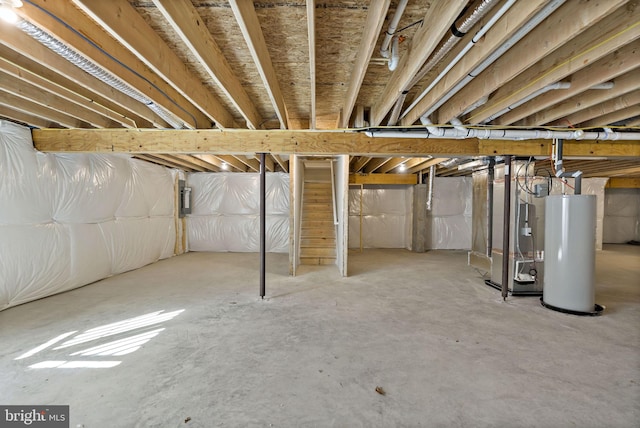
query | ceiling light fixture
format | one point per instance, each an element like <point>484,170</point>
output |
<point>402,167</point>
<point>225,166</point>
<point>7,12</point>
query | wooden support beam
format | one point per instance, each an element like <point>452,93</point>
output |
<point>20,116</point>
<point>383,179</point>
<point>559,37</point>
<point>311,28</point>
<point>374,164</point>
<point>23,76</point>
<point>372,27</point>
<point>360,163</point>
<point>176,160</point>
<point>30,107</point>
<point>517,16</point>
<point>614,65</point>
<point>82,30</point>
<point>613,117</point>
<point>224,142</point>
<point>188,24</point>
<point>613,105</point>
<point>252,31</point>
<point>23,89</point>
<point>436,24</point>
<point>617,172</point>
<point>125,24</point>
<point>28,54</point>
<point>623,183</point>
<point>601,34</point>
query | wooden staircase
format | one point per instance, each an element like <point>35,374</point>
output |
<point>318,236</point>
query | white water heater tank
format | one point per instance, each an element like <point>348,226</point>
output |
<point>570,252</point>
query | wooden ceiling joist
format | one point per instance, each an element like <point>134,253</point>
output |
<point>30,107</point>
<point>613,117</point>
<point>26,118</point>
<point>29,54</point>
<point>616,64</point>
<point>627,100</point>
<point>127,26</point>
<point>311,30</point>
<point>435,25</point>
<point>571,32</point>
<point>421,166</point>
<point>188,24</point>
<point>372,27</point>
<point>20,75</point>
<point>21,88</point>
<point>375,164</point>
<point>79,34</point>
<point>519,14</point>
<point>391,164</point>
<point>245,14</point>
<point>238,142</point>
<point>360,163</point>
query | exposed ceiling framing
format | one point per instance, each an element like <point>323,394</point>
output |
<point>313,65</point>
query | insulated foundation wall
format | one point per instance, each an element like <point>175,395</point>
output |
<point>225,212</point>
<point>67,220</point>
<point>621,216</point>
<point>450,216</point>
<point>386,213</point>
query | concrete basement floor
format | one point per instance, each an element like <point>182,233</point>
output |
<point>445,348</point>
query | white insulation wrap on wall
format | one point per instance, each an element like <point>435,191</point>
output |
<point>450,216</point>
<point>67,220</point>
<point>225,213</point>
<point>621,216</point>
<point>386,217</point>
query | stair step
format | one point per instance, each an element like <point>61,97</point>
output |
<point>317,252</point>
<point>317,233</point>
<point>318,224</point>
<point>317,216</point>
<point>318,199</point>
<point>317,206</point>
<point>317,260</point>
<point>321,242</point>
<point>315,185</point>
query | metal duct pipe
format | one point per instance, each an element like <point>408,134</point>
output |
<point>94,70</point>
<point>458,30</point>
<point>500,134</point>
<point>393,25</point>
<point>432,173</point>
<point>560,172</point>
<point>548,9</point>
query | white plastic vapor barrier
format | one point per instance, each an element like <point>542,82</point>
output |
<point>225,212</point>
<point>67,220</point>
<point>450,217</point>
<point>621,216</point>
<point>386,216</point>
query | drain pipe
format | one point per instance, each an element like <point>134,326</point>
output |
<point>433,131</point>
<point>395,55</point>
<point>552,87</point>
<point>457,124</point>
<point>506,227</point>
<point>458,30</point>
<point>432,172</point>
<point>393,25</point>
<point>560,172</point>
<point>548,9</point>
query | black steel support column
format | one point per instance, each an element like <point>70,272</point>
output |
<point>490,178</point>
<point>263,224</point>
<point>506,227</point>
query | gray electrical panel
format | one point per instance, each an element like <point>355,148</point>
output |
<point>185,199</point>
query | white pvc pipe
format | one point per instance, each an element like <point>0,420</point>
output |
<point>516,37</point>
<point>504,134</point>
<point>429,125</point>
<point>395,54</point>
<point>393,24</point>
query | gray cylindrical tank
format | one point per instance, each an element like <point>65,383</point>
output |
<point>569,252</point>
